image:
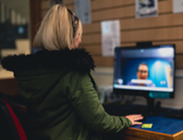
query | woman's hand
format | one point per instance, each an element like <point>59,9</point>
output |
<point>135,119</point>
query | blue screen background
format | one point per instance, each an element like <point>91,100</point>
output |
<point>158,69</point>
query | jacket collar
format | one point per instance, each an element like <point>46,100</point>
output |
<point>76,59</point>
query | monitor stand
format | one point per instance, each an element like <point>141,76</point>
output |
<point>152,110</point>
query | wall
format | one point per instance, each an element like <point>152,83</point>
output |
<point>164,29</point>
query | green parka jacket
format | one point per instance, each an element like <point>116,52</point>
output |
<point>61,97</point>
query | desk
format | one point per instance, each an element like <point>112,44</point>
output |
<point>163,129</point>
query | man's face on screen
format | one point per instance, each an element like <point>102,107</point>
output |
<point>142,72</point>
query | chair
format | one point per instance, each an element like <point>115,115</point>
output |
<point>10,126</point>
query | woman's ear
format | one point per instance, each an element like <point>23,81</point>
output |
<point>76,42</point>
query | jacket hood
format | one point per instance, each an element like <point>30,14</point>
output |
<point>76,59</point>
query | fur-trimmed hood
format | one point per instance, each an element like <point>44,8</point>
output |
<point>76,59</point>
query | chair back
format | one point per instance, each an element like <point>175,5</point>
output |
<point>10,126</point>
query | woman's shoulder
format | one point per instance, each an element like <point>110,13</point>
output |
<point>77,60</point>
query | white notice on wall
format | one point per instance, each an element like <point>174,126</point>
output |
<point>110,36</point>
<point>83,10</point>
<point>177,6</point>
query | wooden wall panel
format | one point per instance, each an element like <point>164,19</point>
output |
<point>103,61</point>
<point>68,2</point>
<point>108,61</point>
<point>45,4</point>
<point>97,50</point>
<point>166,28</point>
<point>103,4</point>
<point>92,28</point>
<point>178,60</point>
<point>92,39</point>
<point>152,34</point>
<point>117,13</point>
<point>169,20</point>
<point>127,11</point>
<point>155,22</point>
<point>157,34</point>
<point>93,49</point>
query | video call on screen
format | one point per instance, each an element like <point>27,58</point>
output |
<point>159,61</point>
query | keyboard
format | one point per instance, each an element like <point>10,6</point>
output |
<point>174,113</point>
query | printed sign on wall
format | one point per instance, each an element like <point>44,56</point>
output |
<point>83,10</point>
<point>177,6</point>
<point>146,8</point>
<point>110,36</point>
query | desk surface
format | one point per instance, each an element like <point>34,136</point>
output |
<point>163,124</point>
<point>163,129</point>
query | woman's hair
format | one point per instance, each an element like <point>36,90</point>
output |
<point>57,30</point>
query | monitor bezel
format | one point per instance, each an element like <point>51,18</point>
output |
<point>139,92</point>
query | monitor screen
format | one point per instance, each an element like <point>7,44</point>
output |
<point>144,70</point>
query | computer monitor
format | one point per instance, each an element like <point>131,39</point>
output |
<point>146,71</point>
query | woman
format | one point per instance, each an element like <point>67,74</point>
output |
<point>59,92</point>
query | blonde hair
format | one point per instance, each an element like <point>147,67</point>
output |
<point>56,30</point>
